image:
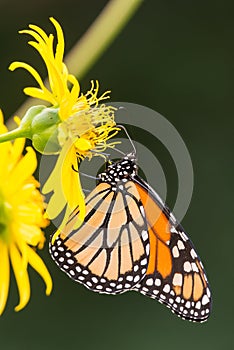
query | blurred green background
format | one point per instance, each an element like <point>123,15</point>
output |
<point>178,59</point>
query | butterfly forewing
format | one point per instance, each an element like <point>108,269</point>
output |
<point>109,252</point>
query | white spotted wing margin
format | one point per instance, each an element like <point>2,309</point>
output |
<point>109,252</point>
<point>186,289</point>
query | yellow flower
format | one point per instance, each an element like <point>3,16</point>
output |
<point>68,99</point>
<point>85,126</point>
<point>21,220</point>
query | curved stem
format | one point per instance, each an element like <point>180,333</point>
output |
<point>100,34</point>
<point>14,134</point>
<point>95,41</point>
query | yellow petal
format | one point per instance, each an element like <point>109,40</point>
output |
<point>41,94</point>
<point>71,183</point>
<point>30,69</point>
<point>24,194</point>
<point>31,234</point>
<point>5,149</point>
<point>3,128</point>
<point>54,183</point>
<point>58,82</point>
<point>60,45</point>
<point>29,213</point>
<point>56,205</point>
<point>21,276</point>
<point>17,149</point>
<point>37,263</point>
<point>37,36</point>
<point>40,31</point>
<point>20,243</point>
<point>22,171</point>
<point>76,225</point>
<point>4,275</point>
<point>72,188</point>
<point>1,118</point>
<point>75,88</point>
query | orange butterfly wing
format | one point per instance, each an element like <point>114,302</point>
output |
<point>175,275</point>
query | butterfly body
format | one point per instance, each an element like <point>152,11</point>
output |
<point>131,241</point>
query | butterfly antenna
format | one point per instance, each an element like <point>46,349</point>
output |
<point>98,153</point>
<point>118,150</point>
<point>128,136</point>
<point>90,176</point>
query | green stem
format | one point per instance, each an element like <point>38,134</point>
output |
<point>12,135</point>
<point>100,34</point>
<point>94,42</point>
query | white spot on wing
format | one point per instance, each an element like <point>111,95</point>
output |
<point>193,253</point>
<point>173,218</point>
<point>157,282</point>
<point>175,252</point>
<point>144,235</point>
<point>177,279</point>
<point>194,267</point>
<point>147,249</point>
<point>144,261</point>
<point>205,300</point>
<point>166,288</point>
<point>173,230</point>
<point>183,236</point>
<point>149,281</point>
<point>180,245</point>
<point>187,266</point>
<point>136,278</point>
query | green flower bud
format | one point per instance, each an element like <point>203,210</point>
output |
<point>44,131</point>
<point>40,124</point>
<point>26,121</point>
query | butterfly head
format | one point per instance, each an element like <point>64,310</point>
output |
<point>120,171</point>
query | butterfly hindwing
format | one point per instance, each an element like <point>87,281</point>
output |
<point>175,275</point>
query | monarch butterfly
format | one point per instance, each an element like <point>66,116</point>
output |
<point>130,240</point>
